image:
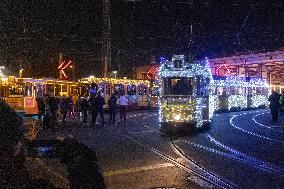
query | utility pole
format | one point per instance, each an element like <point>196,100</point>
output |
<point>118,63</point>
<point>106,43</point>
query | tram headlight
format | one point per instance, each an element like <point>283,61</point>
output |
<point>177,117</point>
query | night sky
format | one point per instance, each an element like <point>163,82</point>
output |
<point>33,32</point>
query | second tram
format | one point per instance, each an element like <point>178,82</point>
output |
<point>185,93</point>
<point>137,91</point>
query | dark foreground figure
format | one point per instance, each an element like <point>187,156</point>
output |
<point>274,105</point>
<point>82,164</point>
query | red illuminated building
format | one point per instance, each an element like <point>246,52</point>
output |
<point>268,65</point>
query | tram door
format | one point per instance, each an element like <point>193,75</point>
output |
<point>30,105</point>
<point>143,97</point>
<point>106,92</point>
<point>132,96</point>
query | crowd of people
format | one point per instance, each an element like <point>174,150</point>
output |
<point>276,106</point>
<point>50,108</point>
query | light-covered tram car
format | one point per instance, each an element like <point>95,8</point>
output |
<point>21,93</point>
<point>186,97</point>
<point>137,91</point>
<point>239,93</point>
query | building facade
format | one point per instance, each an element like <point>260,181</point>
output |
<point>268,65</point>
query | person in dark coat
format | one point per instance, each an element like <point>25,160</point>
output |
<point>71,112</point>
<point>84,106</point>
<point>281,109</point>
<point>112,102</point>
<point>40,108</point>
<point>274,105</point>
<point>97,107</point>
<point>53,105</point>
<point>64,108</point>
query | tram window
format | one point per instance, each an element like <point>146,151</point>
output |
<point>224,91</point>
<point>216,92</point>
<point>15,90</point>
<point>178,86</point>
<point>93,89</point>
<point>220,91</point>
<point>154,91</point>
<point>57,90</point>
<point>131,89</point>
<point>73,90</point>
<point>39,90</point>
<point>232,90</point>
<point>84,90</point>
<point>28,89</point>
<point>142,90</point>
<point>101,87</point>
<point>49,88</point>
<point>64,88</point>
<point>239,91</point>
<point>259,90</point>
<point>107,86</point>
<point>249,91</point>
<point>253,91</point>
<point>119,88</point>
<point>266,91</point>
<point>2,91</point>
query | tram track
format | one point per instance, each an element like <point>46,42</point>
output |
<point>190,166</point>
<point>230,153</point>
<point>239,156</point>
<point>266,126</point>
<point>260,164</point>
<point>252,133</point>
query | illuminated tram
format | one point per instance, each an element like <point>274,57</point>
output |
<point>137,91</point>
<point>21,93</point>
<point>237,93</point>
<point>185,93</point>
<point>189,94</point>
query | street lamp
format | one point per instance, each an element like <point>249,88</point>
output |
<point>21,72</point>
<point>1,72</point>
<point>115,73</point>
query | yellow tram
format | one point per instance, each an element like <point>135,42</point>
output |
<point>21,93</point>
<point>137,91</point>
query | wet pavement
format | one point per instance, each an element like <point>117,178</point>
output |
<point>241,149</point>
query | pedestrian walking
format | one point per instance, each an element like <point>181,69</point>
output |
<point>97,107</point>
<point>274,105</point>
<point>84,106</point>
<point>112,103</point>
<point>64,108</point>
<point>123,103</point>
<point>71,112</point>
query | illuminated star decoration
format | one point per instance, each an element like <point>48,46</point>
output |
<point>62,68</point>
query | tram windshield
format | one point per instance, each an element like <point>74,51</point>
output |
<point>178,86</point>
